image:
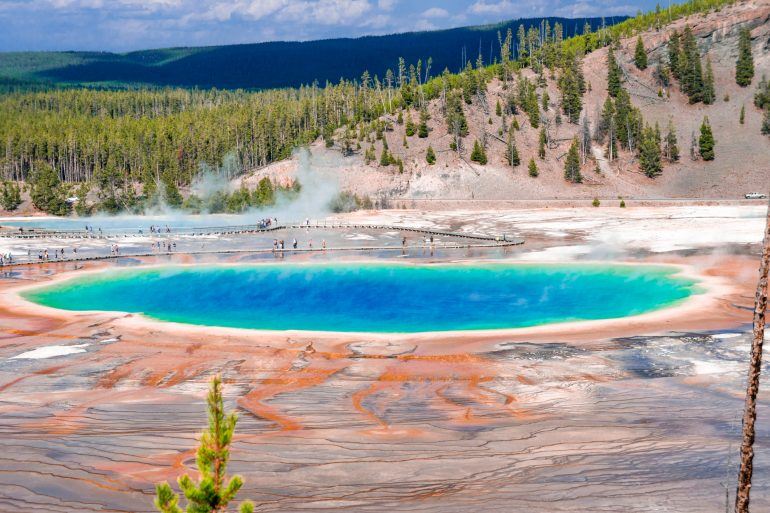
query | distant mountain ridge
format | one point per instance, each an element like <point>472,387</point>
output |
<point>271,64</point>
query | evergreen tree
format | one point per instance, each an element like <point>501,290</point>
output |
<point>649,153</point>
<point>479,154</point>
<point>762,96</point>
<point>385,158</point>
<point>545,100</point>
<point>10,195</point>
<point>674,55</point>
<point>706,141</point>
<point>672,147</point>
<point>603,128</point>
<point>47,191</point>
<point>691,69</point>
<point>628,121</point>
<point>640,54</point>
<point>613,74</point>
<point>430,156</point>
<point>498,109</point>
<point>82,208</point>
<point>766,123</point>
<point>264,194</point>
<point>409,129</point>
<point>457,125</point>
<point>512,152</point>
<point>571,99</point>
<point>532,168</point>
<point>542,140</point>
<point>572,164</point>
<point>709,95</point>
<point>422,131</point>
<point>744,66</point>
<point>742,118</point>
<point>213,493</point>
<point>171,196</point>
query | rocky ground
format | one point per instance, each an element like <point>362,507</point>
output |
<point>639,417</point>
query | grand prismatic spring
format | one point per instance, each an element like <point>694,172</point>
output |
<point>599,366</point>
<point>375,297</point>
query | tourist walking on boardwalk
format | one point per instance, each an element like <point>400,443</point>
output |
<point>294,243</point>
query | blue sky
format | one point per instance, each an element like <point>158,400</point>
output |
<point>122,25</point>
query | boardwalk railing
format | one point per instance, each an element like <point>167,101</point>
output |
<point>36,233</point>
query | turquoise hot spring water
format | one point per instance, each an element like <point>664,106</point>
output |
<point>374,297</point>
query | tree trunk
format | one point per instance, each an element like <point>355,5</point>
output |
<point>752,387</point>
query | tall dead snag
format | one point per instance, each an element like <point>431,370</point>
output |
<point>752,387</point>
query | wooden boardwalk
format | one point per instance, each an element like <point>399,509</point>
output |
<point>473,240</point>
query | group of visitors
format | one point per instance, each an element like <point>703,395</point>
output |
<point>279,245</point>
<point>45,256</point>
<point>158,229</point>
<point>267,222</point>
<point>168,246</point>
<point>90,230</point>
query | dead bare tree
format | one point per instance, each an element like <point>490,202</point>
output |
<point>752,387</point>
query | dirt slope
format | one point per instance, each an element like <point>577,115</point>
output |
<point>743,153</point>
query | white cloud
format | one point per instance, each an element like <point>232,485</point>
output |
<point>378,21</point>
<point>325,12</point>
<point>386,5</point>
<point>424,24</point>
<point>482,7</point>
<point>435,12</point>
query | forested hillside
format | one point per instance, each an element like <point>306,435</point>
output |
<point>559,115</point>
<point>278,64</point>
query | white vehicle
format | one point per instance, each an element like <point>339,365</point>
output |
<point>756,195</point>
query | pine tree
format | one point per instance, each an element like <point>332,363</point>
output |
<point>10,195</point>
<point>498,109</point>
<point>709,95</point>
<point>613,74</point>
<point>213,493</point>
<point>766,123</point>
<point>47,191</point>
<point>532,168</point>
<point>422,130</point>
<point>762,96</point>
<point>571,99</point>
<point>672,148</point>
<point>542,139</point>
<point>479,154</point>
<point>410,129</point>
<point>512,152</point>
<point>604,127</point>
<point>649,153</point>
<point>691,68</point>
<point>457,125</point>
<point>545,100</point>
<point>674,54</point>
<point>744,66</point>
<point>706,141</point>
<point>640,54</point>
<point>742,118</point>
<point>385,158</point>
<point>572,164</point>
<point>430,156</point>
